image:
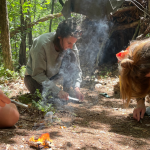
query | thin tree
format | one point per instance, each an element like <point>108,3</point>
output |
<point>52,10</point>
<point>22,51</point>
<point>5,36</point>
<point>149,6</point>
<point>30,41</point>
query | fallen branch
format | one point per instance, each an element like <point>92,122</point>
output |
<point>51,16</point>
<point>124,9</point>
<point>19,104</point>
<point>126,26</point>
<point>146,32</point>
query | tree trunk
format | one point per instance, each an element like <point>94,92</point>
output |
<point>30,41</point>
<point>50,26</point>
<point>30,38</point>
<point>5,36</point>
<point>22,51</point>
<point>61,2</point>
<point>149,6</point>
<point>34,9</point>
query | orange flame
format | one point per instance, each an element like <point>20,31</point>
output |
<point>42,139</point>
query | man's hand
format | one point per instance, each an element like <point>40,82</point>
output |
<point>139,111</point>
<point>63,95</point>
<point>79,95</point>
<point>3,99</point>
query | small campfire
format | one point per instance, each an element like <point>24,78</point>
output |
<point>42,142</point>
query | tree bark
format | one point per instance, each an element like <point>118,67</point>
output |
<point>30,38</point>
<point>30,41</point>
<point>5,36</point>
<point>149,6</point>
<point>61,2</point>
<point>50,26</point>
<point>22,51</point>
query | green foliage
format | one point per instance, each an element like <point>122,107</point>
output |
<point>24,98</point>
<point>41,105</point>
<point>32,11</point>
<point>105,73</point>
<point>38,94</point>
<point>6,74</point>
<point>148,35</point>
<point>36,100</point>
<point>22,71</point>
<point>27,98</point>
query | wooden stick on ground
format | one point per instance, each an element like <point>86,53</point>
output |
<point>19,104</point>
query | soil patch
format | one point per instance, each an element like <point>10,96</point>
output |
<point>99,123</point>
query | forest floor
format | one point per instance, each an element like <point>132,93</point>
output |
<point>99,123</point>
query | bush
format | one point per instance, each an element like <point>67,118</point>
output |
<point>6,74</point>
<point>22,71</point>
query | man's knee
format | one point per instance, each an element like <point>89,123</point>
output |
<point>32,84</point>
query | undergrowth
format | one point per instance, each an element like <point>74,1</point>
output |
<point>7,75</point>
<point>34,100</point>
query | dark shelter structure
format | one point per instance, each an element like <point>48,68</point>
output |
<point>94,9</point>
<point>100,42</point>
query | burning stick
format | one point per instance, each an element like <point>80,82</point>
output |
<point>39,145</point>
<point>19,104</point>
<point>34,144</point>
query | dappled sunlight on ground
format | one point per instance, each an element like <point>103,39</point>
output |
<point>98,123</point>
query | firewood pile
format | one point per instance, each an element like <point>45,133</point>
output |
<point>129,12</point>
<point>130,22</point>
<point>133,14</point>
